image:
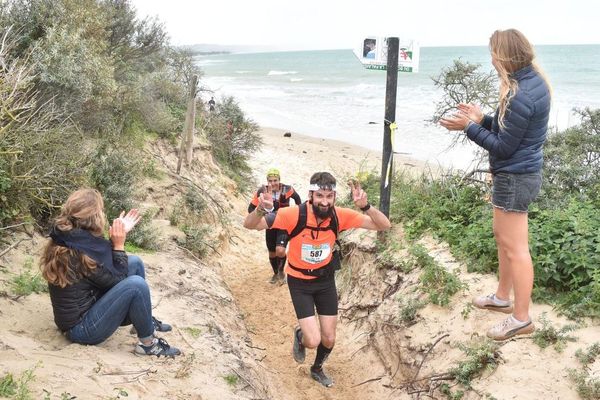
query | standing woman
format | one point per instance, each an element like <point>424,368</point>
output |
<point>514,137</point>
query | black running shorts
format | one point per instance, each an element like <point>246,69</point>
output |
<point>308,294</point>
<point>275,237</point>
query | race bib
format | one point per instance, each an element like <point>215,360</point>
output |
<point>315,254</point>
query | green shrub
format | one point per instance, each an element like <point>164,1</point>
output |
<point>548,335</point>
<point>482,356</point>
<point>194,200</point>
<point>198,240</point>
<point>590,355</point>
<point>409,309</point>
<point>28,282</point>
<point>435,280</point>
<point>571,162</point>
<point>587,385</point>
<point>234,140</point>
<point>17,389</point>
<point>8,385</point>
<point>115,173</point>
<point>231,379</point>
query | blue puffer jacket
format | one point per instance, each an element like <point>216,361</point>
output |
<point>518,147</point>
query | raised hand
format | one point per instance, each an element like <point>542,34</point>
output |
<point>472,111</point>
<point>359,196</point>
<point>265,199</point>
<point>117,234</point>
<point>130,220</point>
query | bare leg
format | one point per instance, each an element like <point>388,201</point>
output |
<point>328,326</point>
<point>504,274</point>
<point>511,232</point>
<point>311,334</point>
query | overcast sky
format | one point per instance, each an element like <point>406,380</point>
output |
<point>333,24</point>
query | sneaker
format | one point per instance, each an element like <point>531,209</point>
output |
<point>510,327</point>
<point>274,279</point>
<point>281,277</point>
<point>159,326</point>
<point>319,375</point>
<point>492,303</point>
<point>159,347</point>
<point>298,351</point>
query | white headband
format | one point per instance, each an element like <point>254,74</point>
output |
<point>315,187</point>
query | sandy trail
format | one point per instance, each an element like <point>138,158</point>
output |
<point>267,308</point>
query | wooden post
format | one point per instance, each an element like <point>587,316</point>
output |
<point>187,136</point>
<point>387,158</point>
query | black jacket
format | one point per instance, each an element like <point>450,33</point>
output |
<point>73,301</point>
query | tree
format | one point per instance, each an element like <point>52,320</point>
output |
<point>463,82</point>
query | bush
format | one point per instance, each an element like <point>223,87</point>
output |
<point>481,356</point>
<point>115,173</point>
<point>234,140</point>
<point>572,161</point>
<point>435,280</point>
<point>588,386</point>
<point>548,335</point>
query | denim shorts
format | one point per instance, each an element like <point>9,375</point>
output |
<point>514,192</point>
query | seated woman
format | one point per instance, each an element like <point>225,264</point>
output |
<point>94,286</point>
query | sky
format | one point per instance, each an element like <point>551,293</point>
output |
<point>336,24</point>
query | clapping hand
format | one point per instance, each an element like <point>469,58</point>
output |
<point>359,196</point>
<point>130,220</point>
<point>460,120</point>
<point>472,111</point>
<point>117,234</point>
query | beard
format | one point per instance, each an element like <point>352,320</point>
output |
<point>320,213</point>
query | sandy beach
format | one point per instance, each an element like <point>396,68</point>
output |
<point>299,156</point>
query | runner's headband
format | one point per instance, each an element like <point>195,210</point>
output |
<point>315,187</point>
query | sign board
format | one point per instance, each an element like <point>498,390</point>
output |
<point>372,53</point>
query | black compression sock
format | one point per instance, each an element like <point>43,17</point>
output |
<point>274,262</point>
<point>322,354</point>
<point>281,263</point>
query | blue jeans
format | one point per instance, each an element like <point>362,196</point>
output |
<point>135,266</point>
<point>127,301</point>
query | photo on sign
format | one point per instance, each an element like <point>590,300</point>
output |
<point>369,48</point>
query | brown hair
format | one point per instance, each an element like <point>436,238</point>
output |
<point>82,210</point>
<point>322,179</point>
<point>511,51</point>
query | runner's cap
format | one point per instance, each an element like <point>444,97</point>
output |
<point>273,172</point>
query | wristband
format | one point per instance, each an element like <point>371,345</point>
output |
<point>365,208</point>
<point>261,212</point>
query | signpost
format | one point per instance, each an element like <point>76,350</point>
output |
<point>392,55</point>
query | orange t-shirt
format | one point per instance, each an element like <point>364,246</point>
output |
<point>312,249</point>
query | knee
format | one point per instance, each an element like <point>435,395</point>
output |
<point>138,283</point>
<point>311,341</point>
<point>328,340</point>
<point>280,251</point>
<point>135,260</point>
<point>518,255</point>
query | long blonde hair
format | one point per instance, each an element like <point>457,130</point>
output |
<point>511,51</point>
<point>84,210</point>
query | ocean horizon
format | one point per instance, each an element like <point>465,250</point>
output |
<point>329,94</point>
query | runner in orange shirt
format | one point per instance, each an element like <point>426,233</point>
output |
<point>276,239</point>
<point>312,262</point>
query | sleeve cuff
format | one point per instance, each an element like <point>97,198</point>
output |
<point>468,126</point>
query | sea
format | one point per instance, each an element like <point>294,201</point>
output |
<point>329,94</point>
